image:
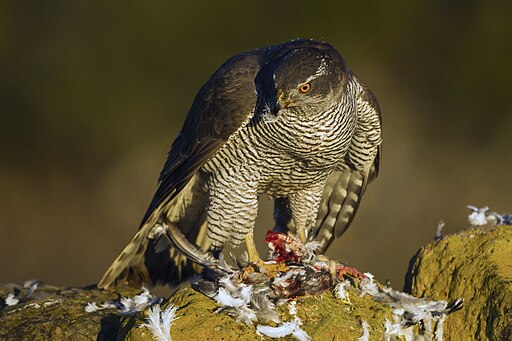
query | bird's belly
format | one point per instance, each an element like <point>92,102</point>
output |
<point>288,183</point>
<point>289,175</point>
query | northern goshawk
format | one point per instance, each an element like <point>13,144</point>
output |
<point>291,121</point>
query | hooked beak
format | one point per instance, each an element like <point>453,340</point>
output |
<point>276,108</point>
<point>281,102</point>
<point>272,106</point>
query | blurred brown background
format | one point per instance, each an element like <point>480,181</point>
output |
<point>92,93</point>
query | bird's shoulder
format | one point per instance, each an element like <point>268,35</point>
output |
<point>219,109</point>
<point>368,133</point>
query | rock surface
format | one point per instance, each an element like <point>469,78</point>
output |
<point>476,265</point>
<point>323,316</point>
<point>52,313</point>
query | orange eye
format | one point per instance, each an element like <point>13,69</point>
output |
<point>305,88</point>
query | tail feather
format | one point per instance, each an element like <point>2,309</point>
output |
<point>149,261</point>
<point>355,190</point>
<point>129,262</point>
<point>340,201</point>
<point>150,258</point>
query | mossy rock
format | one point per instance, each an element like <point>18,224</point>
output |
<point>324,318</point>
<point>53,313</point>
<point>476,265</point>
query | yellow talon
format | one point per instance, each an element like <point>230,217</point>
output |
<point>301,234</point>
<point>254,256</point>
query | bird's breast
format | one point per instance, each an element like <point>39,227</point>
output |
<point>319,140</point>
<point>286,154</point>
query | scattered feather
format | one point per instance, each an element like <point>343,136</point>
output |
<point>366,331</point>
<point>368,285</point>
<point>236,300</point>
<point>409,310</point>
<point>224,298</point>
<point>477,216</point>
<point>393,331</point>
<point>32,305</point>
<point>51,302</point>
<point>439,231</point>
<point>28,283</point>
<point>293,308</point>
<point>130,305</point>
<point>482,216</point>
<point>341,292</point>
<point>309,250</point>
<point>301,335</point>
<point>287,328</point>
<point>312,246</point>
<point>282,281</point>
<point>264,308</point>
<point>231,295</point>
<point>11,300</point>
<point>127,305</point>
<point>159,322</point>
<point>31,285</point>
<point>92,307</point>
<point>440,328</point>
<point>283,330</point>
<point>303,280</point>
<point>242,314</point>
<point>505,219</point>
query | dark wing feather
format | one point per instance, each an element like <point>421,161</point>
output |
<point>220,108</point>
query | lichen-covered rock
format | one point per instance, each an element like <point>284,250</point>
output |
<point>52,313</point>
<point>476,265</point>
<point>357,308</point>
<point>349,306</point>
<point>324,317</point>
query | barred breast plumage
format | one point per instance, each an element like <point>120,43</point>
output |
<point>290,121</point>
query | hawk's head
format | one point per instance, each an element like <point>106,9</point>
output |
<point>306,79</point>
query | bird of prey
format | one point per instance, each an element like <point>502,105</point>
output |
<point>291,121</point>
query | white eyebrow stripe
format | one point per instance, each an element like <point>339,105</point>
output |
<point>322,70</point>
<point>310,78</point>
